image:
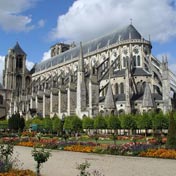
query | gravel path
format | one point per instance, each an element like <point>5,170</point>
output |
<point>64,164</point>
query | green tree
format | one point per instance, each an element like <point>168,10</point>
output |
<point>68,123</point>
<point>14,122</point>
<point>171,137</point>
<point>56,124</point>
<point>76,124</point>
<point>113,123</point>
<point>144,122</point>
<point>87,123</point>
<point>128,122</point>
<point>72,123</point>
<point>159,121</point>
<point>100,122</point>
<point>47,124</point>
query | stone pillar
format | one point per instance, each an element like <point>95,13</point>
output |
<point>90,99</point>
<point>51,102</point>
<point>59,102</point>
<point>68,100</point>
<point>44,104</point>
<point>36,102</point>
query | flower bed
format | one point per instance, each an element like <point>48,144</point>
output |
<point>15,172</point>
<point>27,144</point>
<point>159,153</point>
<point>80,148</point>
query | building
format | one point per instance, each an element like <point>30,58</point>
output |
<point>112,74</point>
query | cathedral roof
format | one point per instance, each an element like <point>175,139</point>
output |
<point>18,50</point>
<point>109,99</point>
<point>126,33</point>
<point>148,100</point>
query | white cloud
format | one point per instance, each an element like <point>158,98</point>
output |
<point>2,61</point>
<point>29,64</point>
<point>11,18</point>
<point>88,19</point>
<point>46,55</point>
<point>41,23</point>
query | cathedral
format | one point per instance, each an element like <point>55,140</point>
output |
<point>113,74</point>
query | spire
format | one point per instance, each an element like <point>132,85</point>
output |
<point>109,99</point>
<point>81,60</point>
<point>147,97</point>
<point>18,50</point>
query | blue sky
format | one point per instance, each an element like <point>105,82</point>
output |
<point>38,24</point>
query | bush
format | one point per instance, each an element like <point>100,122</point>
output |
<point>171,137</point>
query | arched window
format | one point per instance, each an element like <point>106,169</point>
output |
<point>18,84</point>
<point>27,81</point>
<point>138,61</point>
<point>134,60</point>
<point>143,87</point>
<point>124,62</point>
<point>116,88</point>
<point>121,88</point>
<point>1,99</point>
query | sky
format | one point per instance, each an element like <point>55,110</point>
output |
<point>39,24</point>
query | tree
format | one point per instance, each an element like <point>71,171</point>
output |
<point>171,136</point>
<point>144,122</point>
<point>72,123</point>
<point>14,122</point>
<point>21,123</point>
<point>113,123</point>
<point>128,122</point>
<point>56,124</point>
<point>87,123</point>
<point>76,124</point>
<point>159,121</point>
<point>100,122</point>
<point>48,124</point>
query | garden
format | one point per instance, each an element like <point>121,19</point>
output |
<point>148,135</point>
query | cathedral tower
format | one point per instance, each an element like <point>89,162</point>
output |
<point>16,77</point>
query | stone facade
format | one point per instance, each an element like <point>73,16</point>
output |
<point>116,73</point>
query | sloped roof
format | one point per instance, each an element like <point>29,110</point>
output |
<point>91,46</point>
<point>18,50</point>
<point>148,100</point>
<point>109,99</point>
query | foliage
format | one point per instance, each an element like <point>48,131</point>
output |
<point>128,122</point>
<point>72,123</point>
<point>83,170</point>
<point>5,152</point>
<point>47,122</point>
<point>144,121</point>
<point>171,137</point>
<point>40,156</point>
<point>113,122</point>
<point>56,124</point>
<point>159,121</point>
<point>16,122</point>
<point>3,124</point>
<point>87,123</point>
<point>100,122</point>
